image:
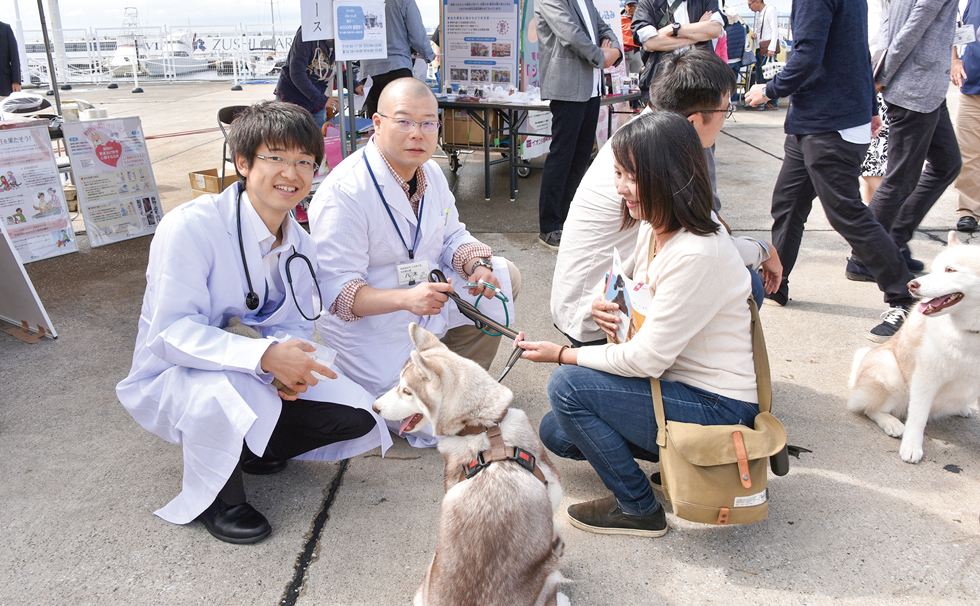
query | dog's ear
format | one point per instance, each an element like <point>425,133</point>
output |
<point>422,339</point>
<point>952,240</point>
<point>419,363</point>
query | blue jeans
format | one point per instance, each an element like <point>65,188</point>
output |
<point>608,420</point>
<point>320,117</point>
<point>758,287</point>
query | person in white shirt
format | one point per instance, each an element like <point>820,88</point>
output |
<point>696,337</point>
<point>382,220</point>
<point>765,32</point>
<point>239,254</point>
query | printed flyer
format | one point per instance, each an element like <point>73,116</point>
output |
<point>116,189</point>
<point>480,43</point>
<point>359,30</point>
<point>32,204</point>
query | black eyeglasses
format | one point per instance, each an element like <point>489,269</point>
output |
<point>728,111</point>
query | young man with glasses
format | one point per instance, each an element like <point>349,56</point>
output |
<point>223,396</point>
<point>697,84</point>
<point>382,220</point>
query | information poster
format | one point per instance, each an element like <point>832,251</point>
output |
<point>359,30</point>
<point>480,43</point>
<point>116,189</point>
<point>610,12</point>
<point>32,204</point>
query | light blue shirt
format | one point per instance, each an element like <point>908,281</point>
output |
<point>404,30</point>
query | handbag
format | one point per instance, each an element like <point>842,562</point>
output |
<point>717,474</point>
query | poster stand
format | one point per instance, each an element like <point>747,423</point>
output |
<point>20,304</point>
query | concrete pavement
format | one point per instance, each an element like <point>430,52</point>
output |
<point>850,524</point>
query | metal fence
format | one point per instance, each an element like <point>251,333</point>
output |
<point>159,54</point>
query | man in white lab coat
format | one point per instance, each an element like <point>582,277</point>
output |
<point>384,216</point>
<point>194,384</point>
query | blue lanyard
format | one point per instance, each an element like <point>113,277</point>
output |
<point>418,229</point>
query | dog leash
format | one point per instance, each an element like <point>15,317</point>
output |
<point>481,321</point>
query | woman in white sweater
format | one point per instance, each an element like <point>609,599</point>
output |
<point>696,338</point>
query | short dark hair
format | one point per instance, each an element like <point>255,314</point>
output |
<point>663,152</point>
<point>277,124</point>
<point>691,80</point>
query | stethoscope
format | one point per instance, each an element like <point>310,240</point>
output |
<point>252,299</point>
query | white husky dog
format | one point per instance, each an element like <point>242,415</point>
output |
<point>930,367</point>
<point>498,539</point>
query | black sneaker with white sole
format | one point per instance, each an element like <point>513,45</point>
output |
<point>891,321</point>
<point>604,516</point>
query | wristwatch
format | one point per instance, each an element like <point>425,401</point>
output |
<point>481,263</point>
<point>677,30</point>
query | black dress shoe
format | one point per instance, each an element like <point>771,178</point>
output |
<point>967,224</point>
<point>239,524</point>
<point>261,466</point>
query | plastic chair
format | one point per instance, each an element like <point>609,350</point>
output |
<point>225,116</point>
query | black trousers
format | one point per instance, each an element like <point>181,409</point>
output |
<point>378,84</point>
<point>303,426</point>
<point>908,190</point>
<point>573,126</point>
<point>826,165</point>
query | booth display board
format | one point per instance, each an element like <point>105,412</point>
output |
<point>480,43</point>
<point>116,189</point>
<point>537,122</point>
<point>32,204</point>
<point>19,303</point>
<point>359,30</point>
<point>609,11</point>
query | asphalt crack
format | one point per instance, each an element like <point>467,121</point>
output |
<point>311,550</point>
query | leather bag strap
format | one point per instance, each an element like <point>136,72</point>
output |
<point>743,459</point>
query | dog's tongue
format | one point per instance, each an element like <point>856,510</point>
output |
<point>409,423</point>
<point>933,305</point>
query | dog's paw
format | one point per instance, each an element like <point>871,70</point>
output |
<point>966,411</point>
<point>891,426</point>
<point>910,453</point>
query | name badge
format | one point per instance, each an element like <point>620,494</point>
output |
<point>411,273</point>
<point>964,35</point>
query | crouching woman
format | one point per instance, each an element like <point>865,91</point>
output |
<point>696,338</point>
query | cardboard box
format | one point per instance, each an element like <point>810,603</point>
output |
<point>476,131</point>
<point>456,127</point>
<point>206,181</point>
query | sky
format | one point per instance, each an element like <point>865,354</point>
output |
<point>86,14</point>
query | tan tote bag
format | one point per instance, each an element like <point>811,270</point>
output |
<point>717,474</point>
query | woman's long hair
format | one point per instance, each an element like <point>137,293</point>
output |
<point>663,152</point>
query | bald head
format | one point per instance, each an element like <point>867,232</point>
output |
<point>404,89</point>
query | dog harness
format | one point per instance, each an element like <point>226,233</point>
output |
<point>499,452</point>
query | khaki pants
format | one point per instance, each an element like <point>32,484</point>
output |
<point>968,134</point>
<point>471,342</point>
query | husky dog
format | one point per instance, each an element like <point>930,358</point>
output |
<point>498,539</point>
<point>930,367</point>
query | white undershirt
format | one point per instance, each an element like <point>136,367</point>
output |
<point>270,258</point>
<point>596,73</point>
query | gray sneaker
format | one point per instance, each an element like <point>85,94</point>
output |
<point>603,516</point>
<point>551,240</point>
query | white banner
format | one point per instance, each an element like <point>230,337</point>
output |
<point>317,19</point>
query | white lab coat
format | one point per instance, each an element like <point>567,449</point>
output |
<point>192,383</point>
<point>355,238</point>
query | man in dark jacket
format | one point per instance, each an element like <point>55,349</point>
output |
<point>307,78</point>
<point>828,130</point>
<point>663,26</point>
<point>9,61</point>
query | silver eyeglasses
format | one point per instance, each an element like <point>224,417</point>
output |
<point>407,126</point>
<point>307,166</point>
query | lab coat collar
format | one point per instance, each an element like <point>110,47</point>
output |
<point>393,192</point>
